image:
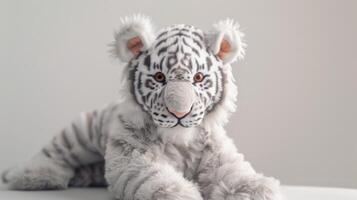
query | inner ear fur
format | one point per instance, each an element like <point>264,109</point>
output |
<point>135,45</point>
<point>224,49</point>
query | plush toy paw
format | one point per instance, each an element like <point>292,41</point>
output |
<point>177,192</point>
<point>36,178</point>
<point>253,188</point>
<point>167,184</point>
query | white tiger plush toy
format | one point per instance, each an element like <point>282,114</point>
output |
<point>164,138</point>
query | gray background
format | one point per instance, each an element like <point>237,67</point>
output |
<point>297,102</point>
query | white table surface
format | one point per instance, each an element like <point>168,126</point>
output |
<point>290,193</point>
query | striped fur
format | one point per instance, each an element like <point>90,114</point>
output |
<point>179,52</point>
<point>139,149</point>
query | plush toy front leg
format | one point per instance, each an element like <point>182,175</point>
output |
<point>132,174</point>
<point>225,175</point>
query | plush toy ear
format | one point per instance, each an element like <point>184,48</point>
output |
<point>225,41</point>
<point>134,35</point>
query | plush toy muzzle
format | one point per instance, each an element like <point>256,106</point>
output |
<point>179,97</point>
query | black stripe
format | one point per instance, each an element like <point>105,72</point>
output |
<point>139,85</point>
<point>75,158</point>
<point>3,176</point>
<point>216,89</point>
<point>195,51</point>
<point>161,34</point>
<point>160,42</point>
<point>208,84</point>
<point>100,142</point>
<point>198,35</point>
<point>147,62</point>
<point>57,148</point>
<point>67,144</point>
<point>143,181</point>
<point>118,175</point>
<point>79,136</point>
<point>81,140</point>
<point>100,125</point>
<point>156,66</point>
<point>175,52</point>
<point>131,177</point>
<point>197,65</point>
<point>61,152</point>
<point>219,94</point>
<point>164,49</point>
<point>161,63</point>
<point>123,172</point>
<point>46,152</point>
<point>89,125</point>
<point>175,29</point>
<point>192,48</point>
<point>171,61</point>
<point>209,96</point>
<point>180,34</point>
<point>197,42</point>
<point>150,84</point>
<point>217,58</point>
<point>104,141</point>
<point>181,49</point>
<point>209,63</point>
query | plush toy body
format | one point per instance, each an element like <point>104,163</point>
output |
<point>164,138</point>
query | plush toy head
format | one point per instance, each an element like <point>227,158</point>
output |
<point>178,74</point>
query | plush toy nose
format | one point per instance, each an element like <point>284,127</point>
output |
<point>179,97</point>
<point>178,114</point>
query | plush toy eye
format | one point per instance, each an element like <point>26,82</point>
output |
<point>198,77</point>
<point>159,77</point>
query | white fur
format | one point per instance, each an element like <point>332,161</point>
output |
<point>137,25</point>
<point>228,30</point>
<point>220,116</point>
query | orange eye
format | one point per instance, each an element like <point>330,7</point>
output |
<point>159,77</point>
<point>198,77</point>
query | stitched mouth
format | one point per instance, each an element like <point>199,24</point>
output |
<point>180,118</point>
<point>179,123</point>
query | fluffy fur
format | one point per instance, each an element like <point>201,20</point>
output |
<point>144,150</point>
